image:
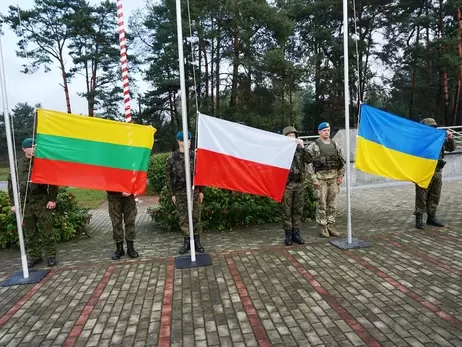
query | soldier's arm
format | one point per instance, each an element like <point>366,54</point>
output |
<point>311,174</point>
<point>53,193</point>
<point>168,175</point>
<point>342,170</point>
<point>449,145</point>
<point>10,189</point>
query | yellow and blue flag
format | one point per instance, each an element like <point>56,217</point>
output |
<point>397,148</point>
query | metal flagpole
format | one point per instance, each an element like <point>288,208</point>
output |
<point>185,129</point>
<point>201,259</point>
<point>350,242</point>
<point>23,277</point>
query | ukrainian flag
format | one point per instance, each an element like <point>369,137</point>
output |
<point>397,148</point>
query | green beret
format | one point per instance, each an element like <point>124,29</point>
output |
<point>28,143</point>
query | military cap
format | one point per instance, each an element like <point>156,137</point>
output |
<point>323,125</point>
<point>288,130</point>
<point>28,143</point>
<point>179,136</point>
<point>429,121</point>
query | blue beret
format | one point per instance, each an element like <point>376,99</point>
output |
<point>323,125</point>
<point>28,143</point>
<point>179,136</point>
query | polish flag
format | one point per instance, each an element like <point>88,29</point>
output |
<point>240,158</point>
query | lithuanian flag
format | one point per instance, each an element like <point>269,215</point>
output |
<point>94,153</point>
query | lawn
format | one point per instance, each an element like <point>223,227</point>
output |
<point>88,198</point>
<point>4,173</point>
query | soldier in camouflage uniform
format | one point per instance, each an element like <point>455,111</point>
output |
<point>122,206</point>
<point>328,169</point>
<point>37,216</point>
<point>175,178</point>
<point>293,201</point>
<point>427,200</point>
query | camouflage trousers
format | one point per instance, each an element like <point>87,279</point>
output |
<point>182,212</point>
<point>427,200</point>
<point>292,205</point>
<point>38,230</point>
<point>122,208</point>
<point>326,201</point>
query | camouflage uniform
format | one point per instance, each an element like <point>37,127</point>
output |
<point>427,200</point>
<point>37,218</point>
<point>175,178</point>
<point>328,164</point>
<point>293,201</point>
<point>122,208</point>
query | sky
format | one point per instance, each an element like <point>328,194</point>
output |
<point>42,87</point>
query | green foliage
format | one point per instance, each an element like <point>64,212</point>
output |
<point>226,210</point>
<point>156,173</point>
<point>69,219</point>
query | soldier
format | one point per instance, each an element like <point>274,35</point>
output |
<point>293,201</point>
<point>37,215</point>
<point>328,169</point>
<point>175,178</point>
<point>427,200</point>
<point>122,206</point>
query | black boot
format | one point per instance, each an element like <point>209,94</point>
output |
<point>119,251</point>
<point>33,262</point>
<point>431,220</point>
<point>51,261</point>
<point>186,246</point>
<point>296,237</point>
<point>419,222</point>
<point>197,244</point>
<point>131,250</point>
<point>288,240</point>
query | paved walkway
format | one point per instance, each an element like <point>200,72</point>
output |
<point>405,290</point>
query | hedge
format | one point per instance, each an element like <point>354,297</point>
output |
<point>69,219</point>
<point>223,209</point>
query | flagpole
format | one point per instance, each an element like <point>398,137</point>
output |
<point>11,159</point>
<point>350,242</point>
<point>185,129</point>
<point>347,117</point>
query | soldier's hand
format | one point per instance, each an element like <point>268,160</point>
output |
<point>51,205</point>
<point>174,200</point>
<point>339,180</point>
<point>13,209</point>
<point>449,134</point>
<point>201,197</point>
<point>301,143</point>
<point>126,194</point>
<point>316,184</point>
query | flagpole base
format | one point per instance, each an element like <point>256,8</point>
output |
<point>184,262</point>
<point>18,278</point>
<point>355,243</point>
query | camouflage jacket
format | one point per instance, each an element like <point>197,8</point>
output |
<point>175,176</point>
<point>36,192</point>
<point>297,172</point>
<point>314,151</point>
<point>448,146</point>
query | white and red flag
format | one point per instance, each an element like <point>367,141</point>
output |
<point>241,158</point>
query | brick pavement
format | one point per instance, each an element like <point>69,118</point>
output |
<point>405,290</point>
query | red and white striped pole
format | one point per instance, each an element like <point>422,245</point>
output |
<point>123,60</point>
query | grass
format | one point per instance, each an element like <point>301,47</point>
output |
<point>88,198</point>
<point>4,171</point>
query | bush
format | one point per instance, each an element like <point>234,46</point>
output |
<point>156,174</point>
<point>68,219</point>
<point>226,210</point>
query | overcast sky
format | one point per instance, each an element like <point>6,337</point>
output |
<point>44,87</point>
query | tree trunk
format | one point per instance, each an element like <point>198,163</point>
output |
<point>444,73</point>
<point>459,80</point>
<point>236,55</point>
<point>217,75</point>
<point>65,85</point>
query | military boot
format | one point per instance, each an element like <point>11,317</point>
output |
<point>332,231</point>
<point>288,240</point>
<point>197,244</point>
<point>324,232</point>
<point>119,251</point>
<point>296,237</point>
<point>131,250</point>
<point>33,262</point>
<point>432,220</point>
<point>419,221</point>
<point>51,261</point>
<point>186,246</point>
